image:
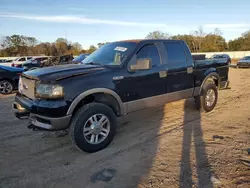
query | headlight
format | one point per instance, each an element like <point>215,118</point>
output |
<point>49,91</point>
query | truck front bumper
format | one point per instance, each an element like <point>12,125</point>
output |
<point>21,111</point>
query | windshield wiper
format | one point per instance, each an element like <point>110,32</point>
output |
<point>93,63</point>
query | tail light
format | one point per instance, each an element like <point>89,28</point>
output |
<point>13,65</point>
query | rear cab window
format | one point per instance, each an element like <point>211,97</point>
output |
<point>175,53</point>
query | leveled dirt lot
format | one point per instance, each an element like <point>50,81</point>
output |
<point>170,146</point>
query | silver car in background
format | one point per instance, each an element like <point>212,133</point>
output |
<point>244,62</point>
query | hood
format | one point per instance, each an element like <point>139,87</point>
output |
<point>11,69</point>
<point>60,72</point>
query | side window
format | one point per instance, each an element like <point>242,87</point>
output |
<point>150,51</point>
<point>176,53</point>
<point>29,57</point>
<point>22,59</point>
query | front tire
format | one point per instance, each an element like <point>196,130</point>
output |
<point>93,127</point>
<point>208,98</point>
<point>6,87</point>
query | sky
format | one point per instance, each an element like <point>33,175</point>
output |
<point>92,21</point>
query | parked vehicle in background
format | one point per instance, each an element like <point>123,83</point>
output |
<point>117,79</point>
<point>244,62</point>
<point>80,58</point>
<point>16,62</point>
<point>57,60</point>
<point>33,63</point>
<point>222,56</point>
<point>2,60</point>
<point>7,63</point>
<point>199,57</point>
<point>9,77</point>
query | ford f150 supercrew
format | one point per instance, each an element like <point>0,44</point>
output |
<point>117,79</point>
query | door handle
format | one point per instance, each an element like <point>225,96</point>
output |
<point>190,70</point>
<point>163,73</point>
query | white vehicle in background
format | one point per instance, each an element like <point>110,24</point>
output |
<point>20,60</point>
<point>7,63</point>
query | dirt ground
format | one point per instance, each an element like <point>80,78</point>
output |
<point>170,146</point>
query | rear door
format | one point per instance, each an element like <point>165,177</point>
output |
<point>180,71</point>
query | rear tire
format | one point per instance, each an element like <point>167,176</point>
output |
<point>6,87</point>
<point>89,121</point>
<point>208,98</point>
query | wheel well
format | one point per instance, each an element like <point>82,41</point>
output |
<point>213,79</point>
<point>104,98</point>
<point>11,81</point>
<point>210,79</point>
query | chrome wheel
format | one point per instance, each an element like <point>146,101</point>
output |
<point>210,97</point>
<point>96,129</point>
<point>5,87</point>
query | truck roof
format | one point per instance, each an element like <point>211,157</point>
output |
<point>147,40</point>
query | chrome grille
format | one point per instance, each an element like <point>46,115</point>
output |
<point>27,87</point>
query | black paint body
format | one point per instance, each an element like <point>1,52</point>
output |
<point>77,79</point>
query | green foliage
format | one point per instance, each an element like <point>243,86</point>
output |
<point>91,49</point>
<point>19,45</point>
<point>198,41</point>
<point>158,35</point>
<point>240,44</point>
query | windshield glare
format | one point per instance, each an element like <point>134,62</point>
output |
<point>80,57</point>
<point>111,54</point>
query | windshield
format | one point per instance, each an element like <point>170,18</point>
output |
<point>247,58</point>
<point>217,56</point>
<point>80,57</point>
<point>28,61</point>
<point>111,54</point>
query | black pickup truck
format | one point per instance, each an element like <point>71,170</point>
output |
<point>117,79</point>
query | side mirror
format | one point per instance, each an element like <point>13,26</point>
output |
<point>141,64</point>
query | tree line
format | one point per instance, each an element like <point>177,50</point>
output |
<point>19,45</point>
<point>198,41</point>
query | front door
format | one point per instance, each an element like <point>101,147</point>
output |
<point>144,88</point>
